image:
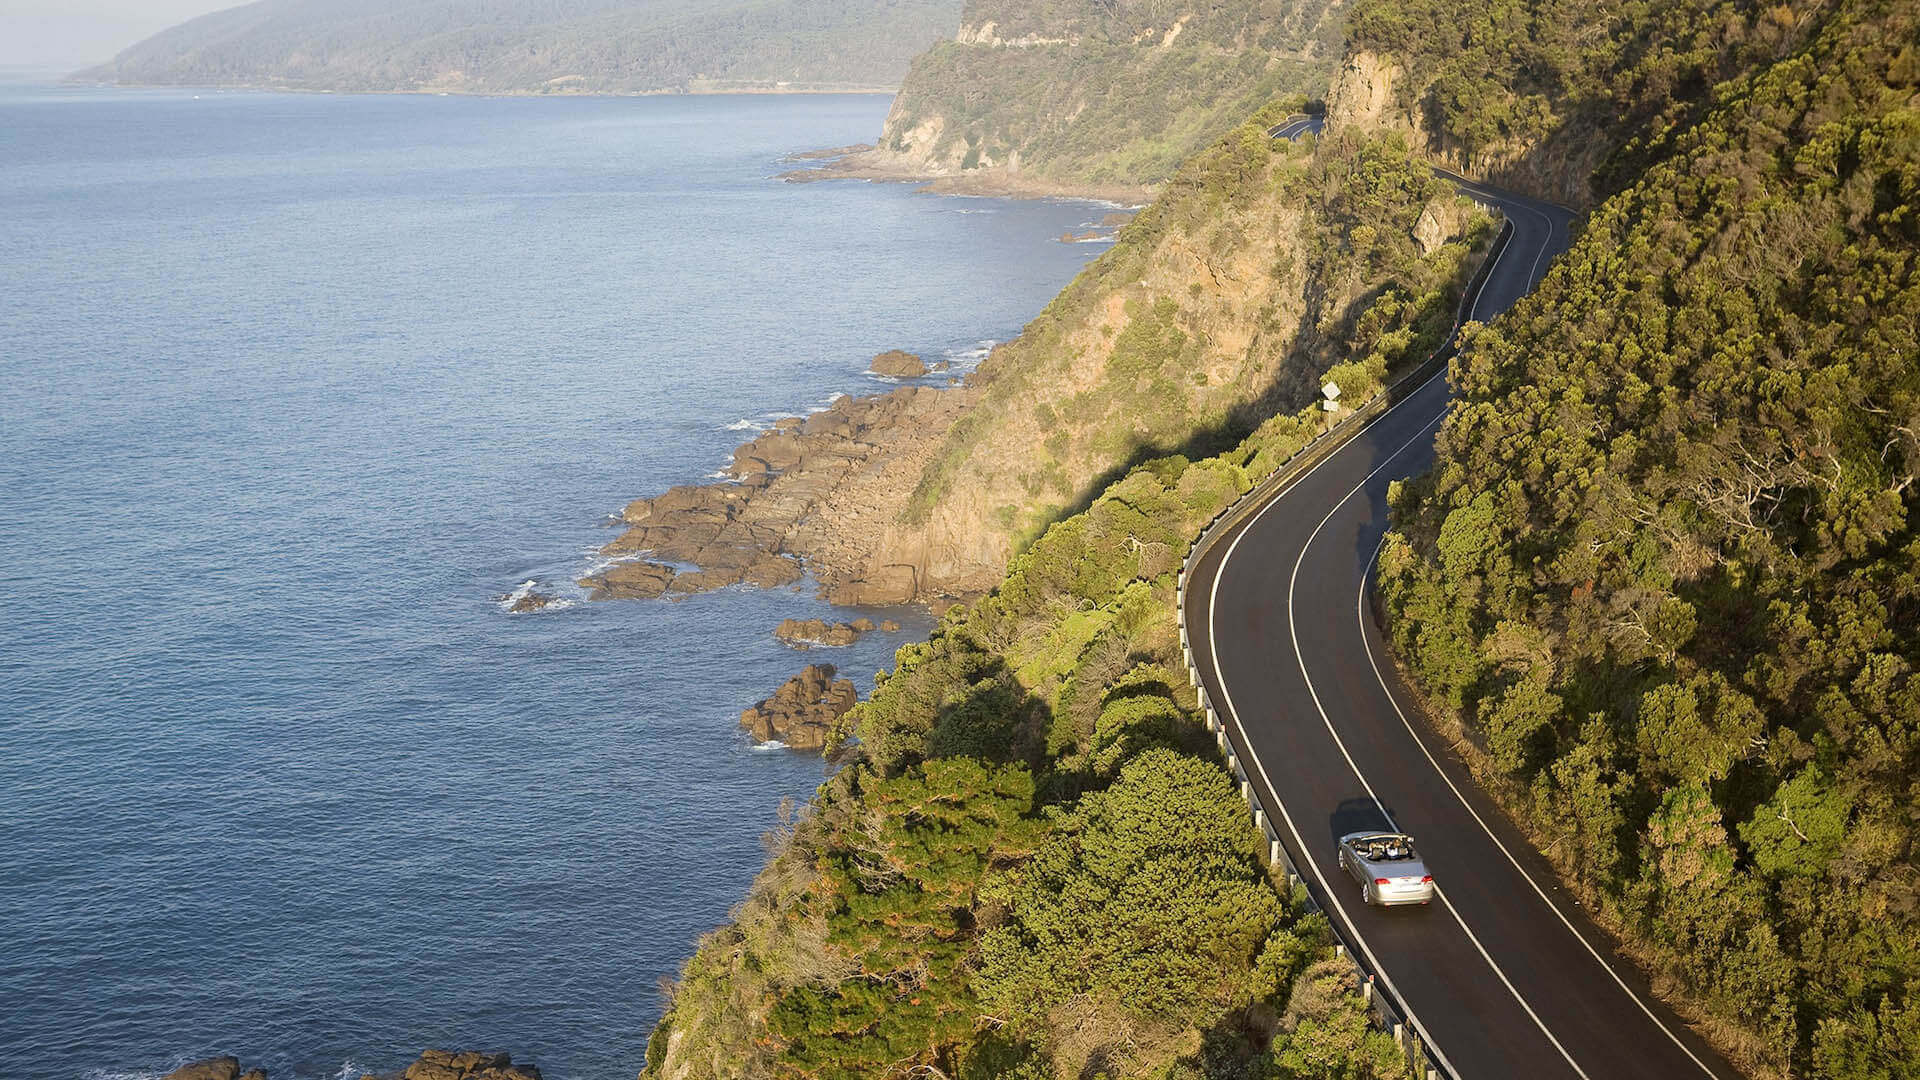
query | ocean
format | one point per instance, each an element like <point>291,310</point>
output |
<point>296,388</point>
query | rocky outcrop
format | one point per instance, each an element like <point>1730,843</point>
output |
<point>825,489</point>
<point>811,633</point>
<point>803,712</point>
<point>468,1065</point>
<point>1440,223</point>
<point>899,364</point>
<point>217,1068</point>
<point>635,580</point>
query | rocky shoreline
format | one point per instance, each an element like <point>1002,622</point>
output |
<point>868,162</point>
<point>819,493</point>
<point>432,1065</point>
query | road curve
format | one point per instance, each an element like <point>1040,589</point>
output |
<point>1504,973</point>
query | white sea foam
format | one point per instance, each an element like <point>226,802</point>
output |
<point>770,744</point>
<point>745,425</point>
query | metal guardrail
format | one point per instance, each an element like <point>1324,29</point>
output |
<point>1393,1016</point>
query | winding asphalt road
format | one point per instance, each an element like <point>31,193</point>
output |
<point>1504,974</point>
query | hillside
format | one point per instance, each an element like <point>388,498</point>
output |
<point>1033,861</point>
<point>541,46</point>
<point>1538,95</point>
<point>1264,265</point>
<point>1664,573</point>
<point>1096,96</point>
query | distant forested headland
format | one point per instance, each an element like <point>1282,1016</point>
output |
<point>542,46</point>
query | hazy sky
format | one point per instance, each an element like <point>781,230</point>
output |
<point>64,35</point>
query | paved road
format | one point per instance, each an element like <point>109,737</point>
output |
<point>1296,126</point>
<point>1504,972</point>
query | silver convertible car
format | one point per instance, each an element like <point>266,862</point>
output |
<point>1385,865</point>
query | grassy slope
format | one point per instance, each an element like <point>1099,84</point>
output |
<point>1666,566</point>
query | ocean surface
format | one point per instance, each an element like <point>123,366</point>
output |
<point>295,389</point>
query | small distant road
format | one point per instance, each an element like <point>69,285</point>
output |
<point>1297,125</point>
<point>1505,975</point>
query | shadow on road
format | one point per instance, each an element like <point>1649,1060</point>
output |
<point>1358,814</point>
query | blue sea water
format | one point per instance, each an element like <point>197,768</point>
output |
<point>292,390</point>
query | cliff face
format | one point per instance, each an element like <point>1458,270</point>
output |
<point>1097,97</point>
<point>541,46</point>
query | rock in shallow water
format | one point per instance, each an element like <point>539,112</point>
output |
<point>216,1068</point>
<point>802,713</point>
<point>900,364</point>
<point>467,1065</point>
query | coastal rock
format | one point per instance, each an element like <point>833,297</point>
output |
<point>216,1068</point>
<point>820,488</point>
<point>888,626</point>
<point>809,633</point>
<point>899,363</point>
<point>885,587</point>
<point>530,600</point>
<point>802,713</point>
<point>468,1065</point>
<point>629,581</point>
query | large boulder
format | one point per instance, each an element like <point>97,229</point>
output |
<point>802,713</point>
<point>808,633</point>
<point>468,1065</point>
<point>899,363</point>
<point>216,1068</point>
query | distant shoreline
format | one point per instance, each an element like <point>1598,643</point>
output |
<point>262,88</point>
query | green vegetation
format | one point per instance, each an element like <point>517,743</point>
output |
<point>541,46</point>
<point>1667,569</point>
<point>1033,863</point>
<point>1532,90</point>
<point>1105,95</point>
<point>1264,267</point>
